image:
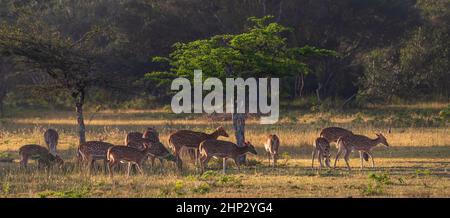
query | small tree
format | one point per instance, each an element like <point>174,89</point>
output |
<point>261,51</point>
<point>71,64</point>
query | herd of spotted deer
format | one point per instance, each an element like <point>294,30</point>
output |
<point>202,146</point>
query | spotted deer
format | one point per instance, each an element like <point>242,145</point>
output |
<point>51,138</point>
<point>150,133</point>
<point>332,134</point>
<point>39,153</point>
<point>222,149</point>
<point>91,151</point>
<point>322,149</point>
<point>127,154</point>
<point>358,143</point>
<point>158,150</point>
<point>271,145</point>
<point>192,140</point>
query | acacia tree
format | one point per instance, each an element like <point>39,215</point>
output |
<point>72,65</point>
<point>259,52</point>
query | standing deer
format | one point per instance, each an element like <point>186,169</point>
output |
<point>94,150</point>
<point>222,149</point>
<point>322,148</point>
<point>128,154</point>
<point>192,140</point>
<point>39,153</point>
<point>332,134</point>
<point>272,144</point>
<point>51,139</point>
<point>358,143</point>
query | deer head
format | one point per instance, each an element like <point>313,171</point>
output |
<point>221,132</point>
<point>250,148</point>
<point>382,139</point>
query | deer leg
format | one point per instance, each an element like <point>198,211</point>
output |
<point>371,156</point>
<point>346,157</point>
<point>361,159</point>
<point>178,159</point>
<point>196,157</point>
<point>204,162</point>
<point>105,166</point>
<point>313,157</point>
<point>337,156</point>
<point>110,166</point>
<point>237,162</point>
<point>128,169</point>
<point>91,165</point>
<point>138,165</point>
<point>268,157</point>
<point>320,160</point>
<point>24,161</point>
<point>224,165</point>
<point>274,159</point>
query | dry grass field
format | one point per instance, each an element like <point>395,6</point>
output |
<point>417,164</point>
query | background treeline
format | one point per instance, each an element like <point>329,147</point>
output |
<point>387,49</point>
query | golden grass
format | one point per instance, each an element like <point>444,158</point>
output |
<point>416,165</point>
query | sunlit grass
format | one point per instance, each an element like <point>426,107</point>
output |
<point>417,163</point>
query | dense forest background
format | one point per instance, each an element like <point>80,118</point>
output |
<point>387,50</point>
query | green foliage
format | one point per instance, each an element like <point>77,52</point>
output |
<point>445,113</point>
<point>261,51</point>
<point>81,192</point>
<point>202,188</point>
<point>377,183</point>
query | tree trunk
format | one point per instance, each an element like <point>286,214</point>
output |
<point>239,131</point>
<point>1,107</point>
<point>2,97</point>
<point>80,118</point>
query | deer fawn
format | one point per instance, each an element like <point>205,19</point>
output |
<point>94,150</point>
<point>192,140</point>
<point>51,139</point>
<point>322,149</point>
<point>272,144</point>
<point>358,143</point>
<point>128,154</point>
<point>39,153</point>
<point>332,134</point>
<point>222,149</point>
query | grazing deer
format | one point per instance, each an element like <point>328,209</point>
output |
<point>222,149</point>
<point>272,144</point>
<point>150,133</point>
<point>322,148</point>
<point>358,143</point>
<point>39,153</point>
<point>332,134</point>
<point>94,150</point>
<point>128,154</point>
<point>192,140</point>
<point>157,150</point>
<point>51,139</point>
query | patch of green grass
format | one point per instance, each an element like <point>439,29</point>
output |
<point>73,193</point>
<point>202,188</point>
